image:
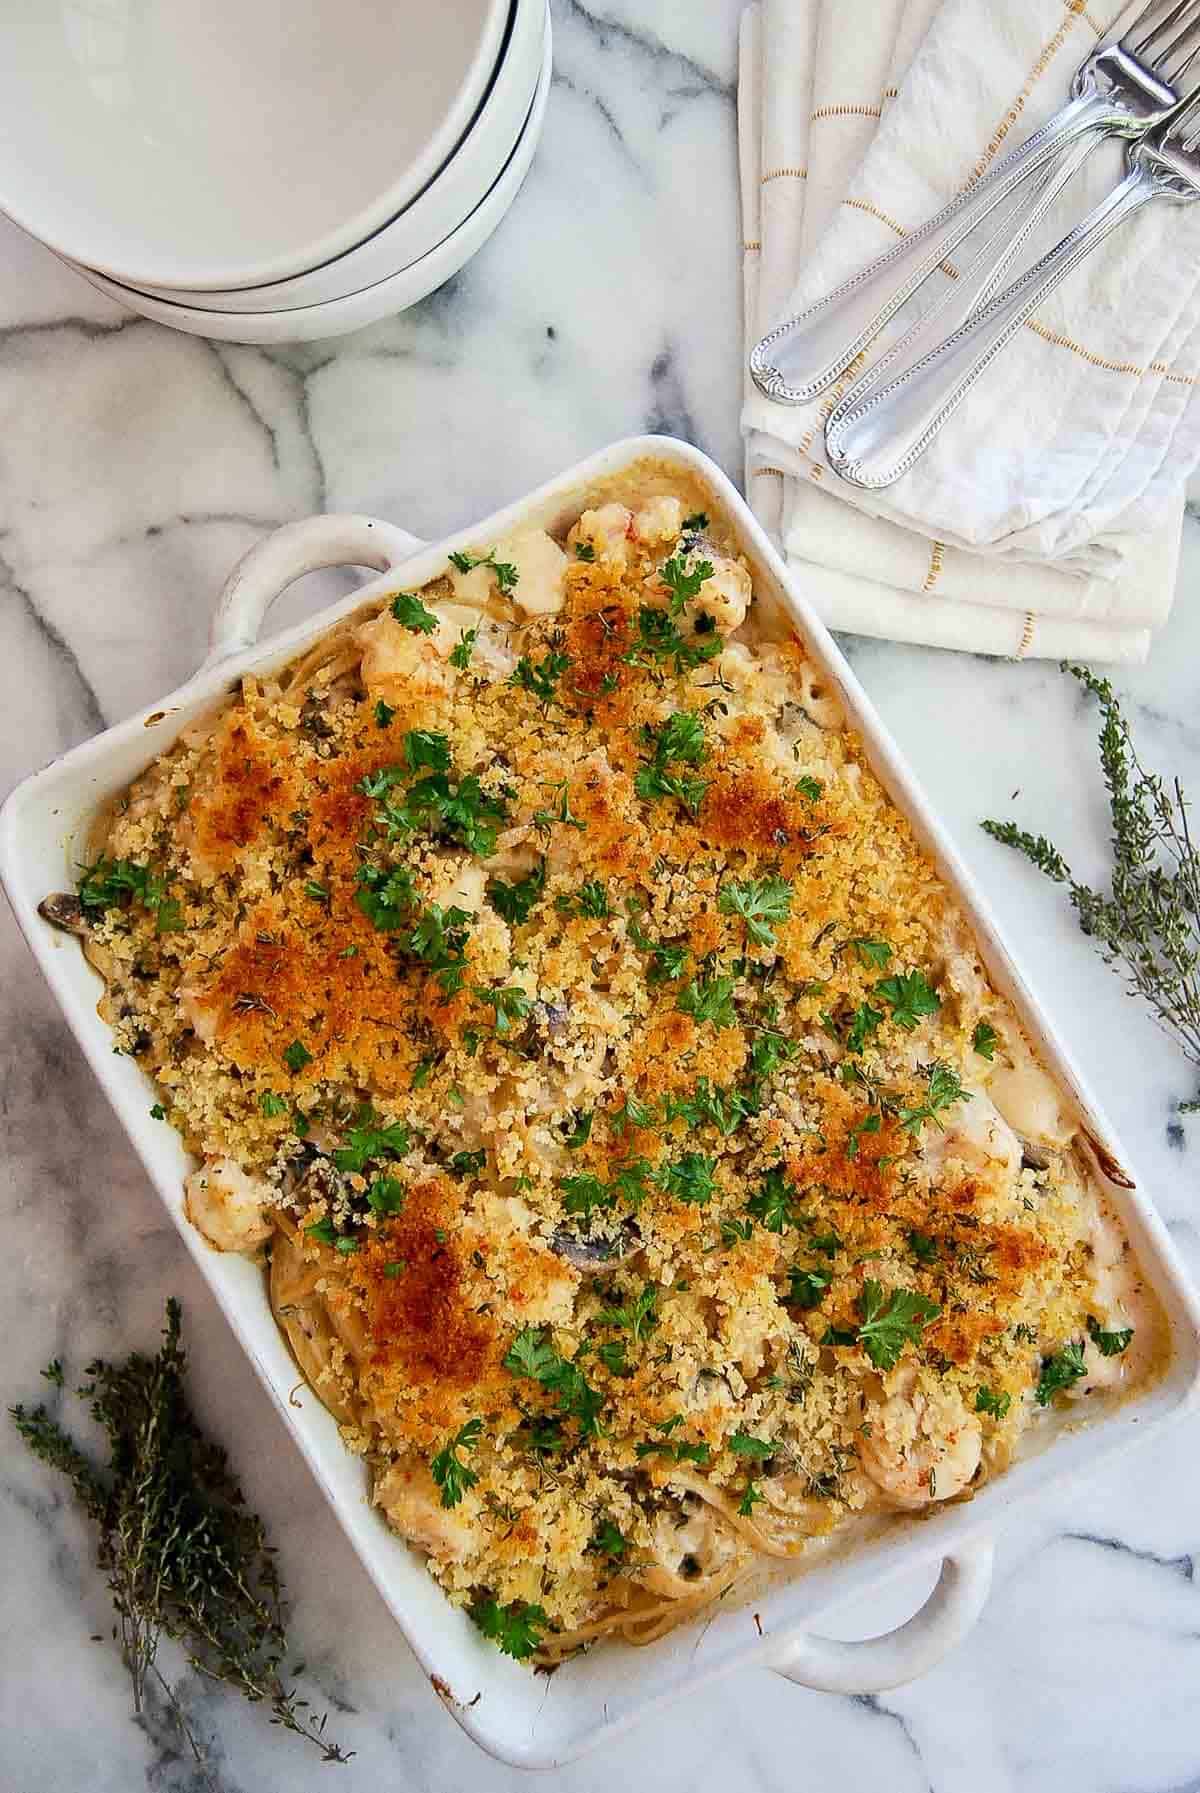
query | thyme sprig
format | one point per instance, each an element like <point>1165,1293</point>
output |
<point>1149,922</point>
<point>185,1556</point>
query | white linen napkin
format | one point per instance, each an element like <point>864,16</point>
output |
<point>1042,522</point>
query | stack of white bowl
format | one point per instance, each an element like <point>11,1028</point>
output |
<point>269,170</point>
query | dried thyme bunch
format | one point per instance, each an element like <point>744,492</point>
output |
<point>1149,923</point>
<point>184,1555</point>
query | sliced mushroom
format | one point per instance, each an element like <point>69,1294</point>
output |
<point>62,910</point>
<point>595,1250</point>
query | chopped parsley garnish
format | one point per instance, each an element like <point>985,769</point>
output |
<point>511,1004</point>
<point>515,902</point>
<point>1061,1370</point>
<point>684,581</point>
<point>689,1179</point>
<point>507,576</point>
<point>910,998</point>
<point>409,610</point>
<point>870,1123</point>
<point>468,1164</point>
<point>773,1203</point>
<point>297,1056</point>
<point>923,1248</point>
<point>768,1051</point>
<point>653,781</point>
<point>809,787</point>
<point>590,900</point>
<point>677,741</point>
<point>460,654</point>
<point>709,998</point>
<point>272,1105</point>
<point>637,1317</point>
<point>1109,1344</point>
<point>808,1287</point>
<point>383,714</point>
<point>545,819</point>
<point>366,1141</point>
<point>873,953</point>
<point>580,1133</point>
<point>585,551</point>
<point>316,891</point>
<point>750,1499</point>
<point>438,941</point>
<point>945,1089</point>
<point>988,1401</point>
<point>159,1113</point>
<point>985,1039</point>
<point>385,1195</point>
<point>658,640</point>
<point>385,897</point>
<point>449,1472</point>
<point>607,1540</point>
<point>532,1355</point>
<point>633,1112</point>
<point>744,1444</point>
<point>828,1244</point>
<point>760,902</point>
<point>323,1230</point>
<point>863,1023</point>
<point>584,1195</point>
<point>103,885</point>
<point>695,524</point>
<point>466,813</point>
<point>516,1629</point>
<point>667,1447</point>
<point>541,681</point>
<point>396,1268</point>
<point>424,751</point>
<point>888,1323</point>
<point>708,1106</point>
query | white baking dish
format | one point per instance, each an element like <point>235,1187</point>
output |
<point>520,1717</point>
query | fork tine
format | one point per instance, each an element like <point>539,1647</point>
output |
<point>1141,48</point>
<point>1173,63</point>
<point>1185,121</point>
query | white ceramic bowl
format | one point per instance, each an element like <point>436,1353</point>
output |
<point>449,199</point>
<point>524,1718</point>
<point>386,297</point>
<point>233,143</point>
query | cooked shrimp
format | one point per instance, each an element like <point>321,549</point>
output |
<point>921,1447</point>
<point>413,1507</point>
<point>228,1206</point>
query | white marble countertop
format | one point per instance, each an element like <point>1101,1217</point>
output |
<point>135,466</point>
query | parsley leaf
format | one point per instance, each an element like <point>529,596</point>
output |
<point>750,1499</point>
<point>383,714</point>
<point>808,1287</point>
<point>272,1105</point>
<point>873,953</point>
<point>385,1195</point>
<point>743,1444</point>
<point>532,1355</point>
<point>684,581</point>
<point>158,1112</point>
<point>923,1248</point>
<point>585,1194</point>
<point>580,1133</point>
<point>888,1323</point>
<point>297,1056</point>
<point>511,1004</point>
<point>945,1089</point>
<point>809,787</point>
<point>467,1164</point>
<point>870,1123</point>
<point>366,1141</point>
<point>386,898</point>
<point>541,681</point>
<point>987,1401</point>
<point>1061,1370</point>
<point>515,902</point>
<point>516,1629</point>
<point>592,900</point>
<point>423,750</point>
<point>688,1179</point>
<point>659,640</point>
<point>680,738</point>
<point>608,1541</point>
<point>863,1024</point>
<point>449,1472</point>
<point>409,610</point>
<point>652,781</point>
<point>637,1317</point>
<point>723,1109</point>
<point>773,1204</point>
<point>1109,1344</point>
<point>460,654</point>
<point>585,551</point>
<point>507,576</point>
<point>985,1039</point>
<point>910,997</point>
<point>709,998</point>
<point>103,885</point>
<point>760,902</point>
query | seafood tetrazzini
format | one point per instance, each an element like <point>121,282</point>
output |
<point>648,1177</point>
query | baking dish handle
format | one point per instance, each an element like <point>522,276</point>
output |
<point>285,556</point>
<point>878,1663</point>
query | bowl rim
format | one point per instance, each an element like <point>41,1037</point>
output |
<point>175,271</point>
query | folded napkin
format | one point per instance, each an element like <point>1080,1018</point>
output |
<point>1045,519</point>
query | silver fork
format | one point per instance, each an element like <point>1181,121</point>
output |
<point>1125,87</point>
<point>874,440</point>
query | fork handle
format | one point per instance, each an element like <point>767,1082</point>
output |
<point>872,443</point>
<point>807,353</point>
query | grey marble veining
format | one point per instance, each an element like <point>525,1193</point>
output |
<point>135,466</point>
